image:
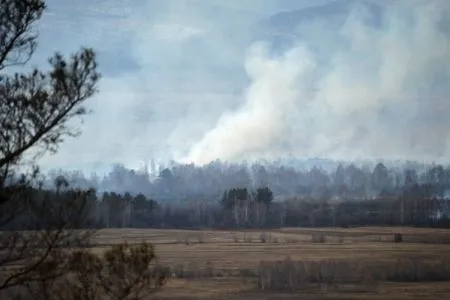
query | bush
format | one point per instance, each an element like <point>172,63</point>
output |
<point>398,237</point>
<point>248,239</point>
<point>290,240</point>
<point>236,238</point>
<point>127,271</point>
<point>318,238</point>
<point>194,270</point>
<point>201,238</point>
<point>293,275</point>
<point>122,272</point>
<point>210,270</point>
<point>248,273</point>
<point>264,237</point>
<point>179,239</point>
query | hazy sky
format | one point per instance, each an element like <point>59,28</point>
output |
<point>181,78</point>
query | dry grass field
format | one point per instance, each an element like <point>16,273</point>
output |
<point>222,264</point>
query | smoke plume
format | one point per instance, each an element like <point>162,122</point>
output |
<point>200,80</point>
<point>380,92</point>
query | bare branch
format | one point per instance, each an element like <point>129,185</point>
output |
<point>17,39</point>
<point>36,107</point>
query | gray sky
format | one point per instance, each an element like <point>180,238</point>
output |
<point>181,77</point>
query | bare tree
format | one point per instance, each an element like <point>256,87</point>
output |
<point>44,246</point>
<point>35,108</point>
<point>43,241</point>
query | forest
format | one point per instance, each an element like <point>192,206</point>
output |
<point>222,195</point>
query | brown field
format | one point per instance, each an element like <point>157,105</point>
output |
<point>230,253</point>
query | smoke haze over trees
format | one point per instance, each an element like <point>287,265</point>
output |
<point>344,79</point>
<point>286,179</point>
<point>335,79</point>
<point>353,81</point>
<point>267,195</point>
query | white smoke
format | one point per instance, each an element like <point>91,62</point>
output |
<point>382,92</point>
<point>260,122</point>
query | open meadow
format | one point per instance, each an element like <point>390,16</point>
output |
<point>329,263</point>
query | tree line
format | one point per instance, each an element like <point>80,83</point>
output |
<point>239,208</point>
<point>180,182</point>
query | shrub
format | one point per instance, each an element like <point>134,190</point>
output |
<point>263,237</point>
<point>318,238</point>
<point>127,270</point>
<point>201,238</point>
<point>122,272</point>
<point>236,238</point>
<point>290,240</point>
<point>248,239</point>
<point>194,270</point>
<point>210,270</point>
<point>293,275</point>
<point>398,238</point>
